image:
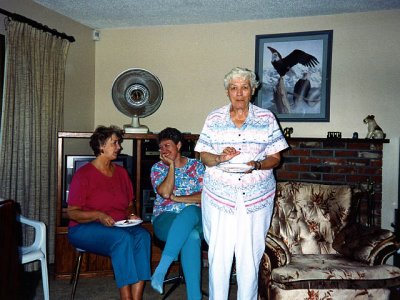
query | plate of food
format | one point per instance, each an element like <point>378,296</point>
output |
<point>234,167</point>
<point>127,223</point>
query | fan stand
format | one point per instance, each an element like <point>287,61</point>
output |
<point>135,127</point>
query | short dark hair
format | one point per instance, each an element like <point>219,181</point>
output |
<point>102,134</point>
<point>172,134</point>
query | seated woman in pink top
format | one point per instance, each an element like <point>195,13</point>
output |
<point>101,194</point>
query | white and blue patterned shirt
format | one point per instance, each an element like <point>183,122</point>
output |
<point>188,180</point>
<point>258,137</point>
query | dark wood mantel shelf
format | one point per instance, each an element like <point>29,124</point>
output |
<point>337,140</point>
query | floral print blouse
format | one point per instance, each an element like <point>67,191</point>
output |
<point>188,180</point>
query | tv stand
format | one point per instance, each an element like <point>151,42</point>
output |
<point>95,265</point>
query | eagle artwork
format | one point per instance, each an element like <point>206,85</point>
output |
<point>301,91</point>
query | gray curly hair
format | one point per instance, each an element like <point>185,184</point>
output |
<point>241,73</point>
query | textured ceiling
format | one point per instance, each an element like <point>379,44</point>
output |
<point>101,14</point>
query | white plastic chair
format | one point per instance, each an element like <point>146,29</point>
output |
<point>37,250</point>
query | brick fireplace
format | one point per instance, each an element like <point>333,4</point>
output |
<point>356,162</point>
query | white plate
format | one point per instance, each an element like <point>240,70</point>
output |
<point>127,223</point>
<point>234,168</point>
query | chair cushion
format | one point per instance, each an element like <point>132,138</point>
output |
<point>361,243</point>
<point>307,216</point>
<point>330,294</point>
<point>333,271</point>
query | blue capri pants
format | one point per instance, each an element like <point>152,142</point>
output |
<point>183,233</point>
<point>128,248</point>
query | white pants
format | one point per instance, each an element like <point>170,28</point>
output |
<point>242,235</point>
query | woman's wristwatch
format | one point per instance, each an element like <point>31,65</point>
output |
<point>258,165</point>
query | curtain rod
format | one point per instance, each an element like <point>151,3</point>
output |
<point>37,25</point>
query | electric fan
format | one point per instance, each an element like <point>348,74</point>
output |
<point>137,93</point>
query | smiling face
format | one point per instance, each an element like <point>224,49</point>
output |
<point>111,148</point>
<point>169,149</point>
<point>239,93</point>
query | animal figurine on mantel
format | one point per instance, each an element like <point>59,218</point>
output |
<point>374,131</point>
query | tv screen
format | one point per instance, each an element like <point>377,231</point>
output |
<point>74,162</point>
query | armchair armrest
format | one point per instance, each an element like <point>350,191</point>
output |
<point>40,234</point>
<point>370,245</point>
<point>276,254</point>
<point>277,251</point>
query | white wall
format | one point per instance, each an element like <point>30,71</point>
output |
<point>191,61</point>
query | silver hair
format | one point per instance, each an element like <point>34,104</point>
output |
<point>241,73</point>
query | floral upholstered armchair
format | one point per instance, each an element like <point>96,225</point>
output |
<point>315,251</point>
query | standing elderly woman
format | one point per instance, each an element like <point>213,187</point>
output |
<point>101,194</point>
<point>237,206</point>
<point>178,181</point>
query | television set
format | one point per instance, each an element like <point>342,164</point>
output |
<point>74,162</point>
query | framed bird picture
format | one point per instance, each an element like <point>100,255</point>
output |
<point>295,74</point>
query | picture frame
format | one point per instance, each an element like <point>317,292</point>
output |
<point>297,88</point>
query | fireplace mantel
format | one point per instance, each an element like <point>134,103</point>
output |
<point>338,140</point>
